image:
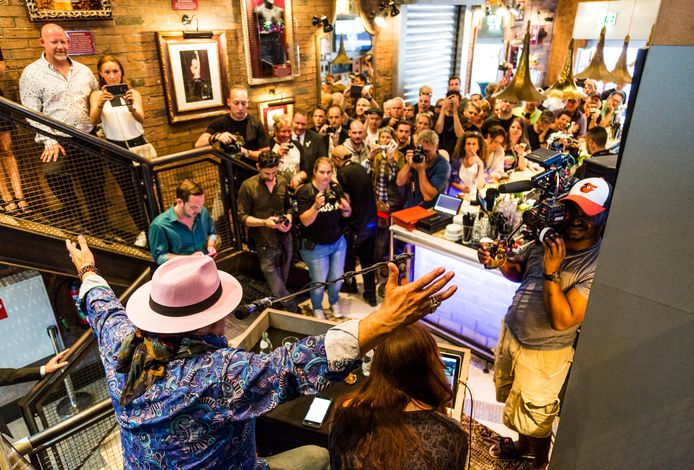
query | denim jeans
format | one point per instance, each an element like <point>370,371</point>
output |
<point>325,262</point>
<point>275,262</point>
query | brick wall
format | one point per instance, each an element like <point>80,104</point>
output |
<point>130,35</point>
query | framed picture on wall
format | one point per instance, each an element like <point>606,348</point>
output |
<point>47,10</point>
<point>269,109</point>
<point>195,75</point>
<point>268,40</point>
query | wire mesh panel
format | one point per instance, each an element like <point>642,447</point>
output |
<point>205,172</point>
<point>83,190</point>
<point>96,447</point>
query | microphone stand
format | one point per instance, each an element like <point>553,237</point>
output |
<point>266,302</point>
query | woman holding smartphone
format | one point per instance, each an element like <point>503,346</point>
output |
<point>122,117</point>
<point>397,418</point>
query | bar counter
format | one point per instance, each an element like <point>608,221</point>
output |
<point>472,317</point>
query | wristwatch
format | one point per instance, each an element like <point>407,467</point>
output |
<point>554,277</point>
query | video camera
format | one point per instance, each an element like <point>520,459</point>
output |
<point>548,214</point>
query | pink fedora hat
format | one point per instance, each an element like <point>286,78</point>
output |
<point>185,293</point>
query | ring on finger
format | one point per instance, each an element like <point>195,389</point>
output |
<point>433,304</point>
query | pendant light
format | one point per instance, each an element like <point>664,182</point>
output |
<point>521,87</point>
<point>620,74</point>
<point>597,70</point>
<point>341,57</point>
<point>565,86</point>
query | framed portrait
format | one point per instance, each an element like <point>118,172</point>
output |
<point>269,109</point>
<point>195,75</point>
<point>269,40</point>
<point>51,10</point>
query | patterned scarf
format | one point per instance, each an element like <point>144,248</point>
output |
<point>143,358</point>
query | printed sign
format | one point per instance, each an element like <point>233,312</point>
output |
<point>81,43</point>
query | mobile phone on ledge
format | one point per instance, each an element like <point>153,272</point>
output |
<point>317,412</point>
<point>117,90</point>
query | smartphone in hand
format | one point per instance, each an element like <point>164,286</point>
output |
<point>117,90</point>
<point>317,412</point>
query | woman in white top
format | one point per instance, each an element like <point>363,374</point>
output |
<point>122,118</point>
<point>467,169</point>
<point>494,156</point>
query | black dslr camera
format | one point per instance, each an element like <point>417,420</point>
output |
<point>232,148</point>
<point>418,154</point>
<point>333,195</point>
<point>330,129</point>
<point>282,220</point>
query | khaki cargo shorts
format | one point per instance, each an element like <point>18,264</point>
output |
<point>528,381</point>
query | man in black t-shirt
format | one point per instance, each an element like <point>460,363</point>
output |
<point>448,124</point>
<point>238,123</point>
<point>362,225</point>
<point>502,117</point>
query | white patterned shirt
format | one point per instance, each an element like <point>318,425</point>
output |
<point>44,89</point>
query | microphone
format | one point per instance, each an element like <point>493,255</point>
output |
<point>244,311</point>
<point>516,187</point>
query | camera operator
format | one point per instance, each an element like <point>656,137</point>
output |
<point>535,349</point>
<point>425,170</point>
<point>265,208</point>
<point>238,123</point>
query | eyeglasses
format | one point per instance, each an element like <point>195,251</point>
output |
<point>269,162</point>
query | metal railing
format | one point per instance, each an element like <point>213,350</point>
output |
<point>70,433</point>
<point>101,190</point>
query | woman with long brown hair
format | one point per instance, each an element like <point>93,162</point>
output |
<point>397,419</point>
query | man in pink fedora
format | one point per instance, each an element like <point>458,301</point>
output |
<point>183,398</point>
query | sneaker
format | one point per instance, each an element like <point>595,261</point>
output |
<point>337,312</point>
<point>370,298</point>
<point>319,313</point>
<point>141,240</point>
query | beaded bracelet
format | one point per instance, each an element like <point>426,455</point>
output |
<point>87,268</point>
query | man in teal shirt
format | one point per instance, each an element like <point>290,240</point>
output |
<point>185,229</point>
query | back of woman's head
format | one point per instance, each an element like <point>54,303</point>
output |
<point>408,361</point>
<point>370,429</point>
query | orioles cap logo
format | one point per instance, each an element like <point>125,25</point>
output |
<point>588,187</point>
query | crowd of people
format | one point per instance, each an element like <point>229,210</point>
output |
<point>328,180</point>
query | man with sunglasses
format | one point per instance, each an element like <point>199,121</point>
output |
<point>579,122</point>
<point>265,208</point>
<point>536,343</point>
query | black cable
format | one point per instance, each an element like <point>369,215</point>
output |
<point>472,408</point>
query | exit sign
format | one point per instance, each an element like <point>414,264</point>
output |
<point>609,19</point>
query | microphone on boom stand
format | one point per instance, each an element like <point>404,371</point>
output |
<point>259,305</point>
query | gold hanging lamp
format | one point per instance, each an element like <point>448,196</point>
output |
<point>620,74</point>
<point>341,57</point>
<point>521,87</point>
<point>565,86</point>
<point>597,70</point>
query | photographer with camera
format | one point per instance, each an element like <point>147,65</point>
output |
<point>536,343</point>
<point>238,132</point>
<point>322,204</point>
<point>334,132</point>
<point>425,171</point>
<point>265,208</point>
